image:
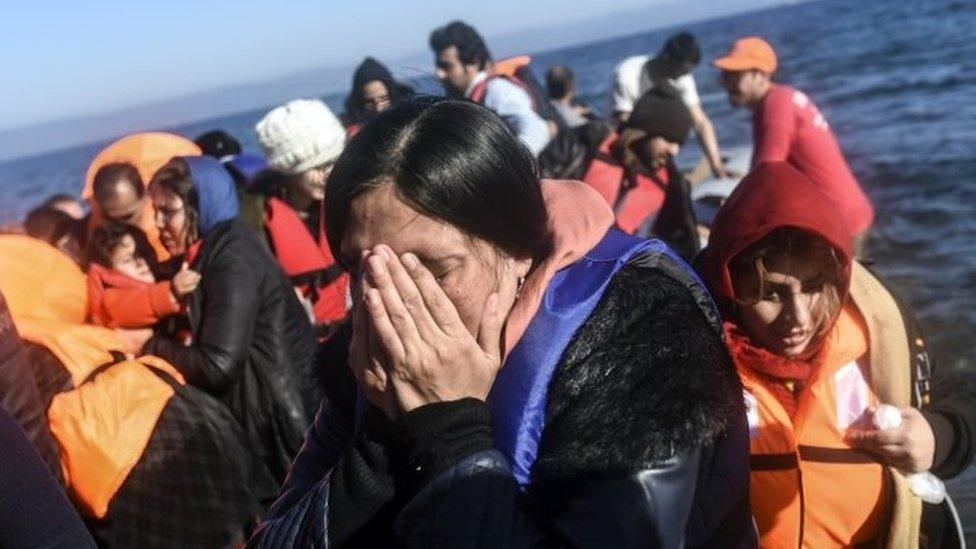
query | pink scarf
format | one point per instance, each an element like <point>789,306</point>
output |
<point>578,219</point>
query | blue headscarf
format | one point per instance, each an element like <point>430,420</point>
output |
<point>217,197</point>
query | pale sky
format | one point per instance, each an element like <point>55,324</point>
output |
<point>70,58</point>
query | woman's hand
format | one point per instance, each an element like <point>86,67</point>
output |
<point>366,359</point>
<point>418,351</point>
<point>909,447</point>
<point>185,281</point>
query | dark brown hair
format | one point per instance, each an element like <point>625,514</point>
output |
<point>783,244</point>
<point>107,237</point>
<point>451,160</point>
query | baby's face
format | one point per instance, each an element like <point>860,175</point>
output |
<point>128,262</point>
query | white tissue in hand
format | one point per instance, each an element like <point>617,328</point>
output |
<point>887,417</point>
<point>927,487</point>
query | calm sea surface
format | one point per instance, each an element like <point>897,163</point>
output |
<point>897,82</point>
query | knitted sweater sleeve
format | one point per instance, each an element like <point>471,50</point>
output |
<point>644,387</point>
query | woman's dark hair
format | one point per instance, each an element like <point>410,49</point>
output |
<point>109,175</point>
<point>471,48</point>
<point>451,160</point>
<point>108,236</point>
<point>682,48</point>
<point>559,81</point>
<point>175,177</point>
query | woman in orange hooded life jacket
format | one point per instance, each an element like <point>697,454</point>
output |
<point>820,344</point>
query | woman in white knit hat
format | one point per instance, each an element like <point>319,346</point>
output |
<point>302,140</point>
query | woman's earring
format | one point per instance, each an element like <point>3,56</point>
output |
<point>518,287</point>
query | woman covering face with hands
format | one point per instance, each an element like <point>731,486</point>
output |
<point>508,352</point>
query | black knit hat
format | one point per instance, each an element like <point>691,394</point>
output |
<point>661,115</point>
<point>367,71</point>
<point>218,144</point>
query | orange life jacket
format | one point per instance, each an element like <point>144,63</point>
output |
<point>511,65</point>
<point>40,282</point>
<point>808,487</point>
<point>102,425</point>
<point>478,92</point>
<point>641,200</point>
<point>308,263</point>
<point>507,69</point>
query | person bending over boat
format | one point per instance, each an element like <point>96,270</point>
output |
<point>670,71</point>
<point>516,373</point>
<point>823,347</point>
<point>634,169</point>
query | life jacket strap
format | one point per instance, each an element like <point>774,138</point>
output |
<point>773,462</point>
<point>820,454</point>
<point>813,454</point>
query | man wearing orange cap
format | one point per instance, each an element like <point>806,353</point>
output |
<point>788,127</point>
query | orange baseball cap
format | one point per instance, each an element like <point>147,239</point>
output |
<point>749,53</point>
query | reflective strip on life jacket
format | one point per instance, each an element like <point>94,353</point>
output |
<point>808,486</point>
<point>519,395</point>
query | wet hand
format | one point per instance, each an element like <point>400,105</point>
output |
<point>185,281</point>
<point>909,447</point>
<point>426,352</point>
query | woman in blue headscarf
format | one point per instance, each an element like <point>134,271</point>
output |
<point>249,341</point>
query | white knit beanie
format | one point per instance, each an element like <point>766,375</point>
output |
<point>300,135</point>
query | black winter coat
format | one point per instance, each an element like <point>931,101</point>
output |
<point>645,445</point>
<point>252,343</point>
<point>19,394</point>
<point>34,510</point>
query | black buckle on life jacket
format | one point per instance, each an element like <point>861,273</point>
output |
<point>923,374</point>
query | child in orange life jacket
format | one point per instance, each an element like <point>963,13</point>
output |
<point>123,291</point>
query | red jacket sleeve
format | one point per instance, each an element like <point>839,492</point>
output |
<point>138,307</point>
